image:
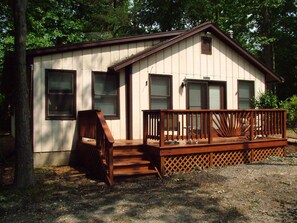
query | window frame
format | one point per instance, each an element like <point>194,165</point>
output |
<point>49,116</point>
<point>251,92</point>
<point>108,117</point>
<point>170,98</point>
<point>206,45</point>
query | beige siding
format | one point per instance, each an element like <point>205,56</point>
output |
<point>184,60</point>
<point>55,135</point>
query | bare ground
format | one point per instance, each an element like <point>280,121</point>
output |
<point>260,192</point>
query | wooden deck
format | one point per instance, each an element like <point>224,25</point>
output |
<point>172,146</point>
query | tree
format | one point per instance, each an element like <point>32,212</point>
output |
<point>105,19</point>
<point>24,172</point>
<point>291,105</point>
<point>155,15</point>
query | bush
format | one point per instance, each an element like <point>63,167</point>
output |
<point>266,100</point>
<point>291,105</point>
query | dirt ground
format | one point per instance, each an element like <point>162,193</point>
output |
<point>265,191</point>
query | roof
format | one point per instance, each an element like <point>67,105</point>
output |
<point>168,39</point>
<point>114,41</point>
<point>205,27</point>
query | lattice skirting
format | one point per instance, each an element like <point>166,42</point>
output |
<point>261,154</point>
<point>189,162</point>
<point>185,163</point>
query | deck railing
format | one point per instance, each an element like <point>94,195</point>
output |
<point>92,125</point>
<point>171,126</point>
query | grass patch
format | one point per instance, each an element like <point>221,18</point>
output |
<point>291,134</point>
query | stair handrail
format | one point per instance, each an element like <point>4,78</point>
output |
<point>105,141</point>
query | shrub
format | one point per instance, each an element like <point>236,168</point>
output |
<point>291,105</point>
<point>266,100</point>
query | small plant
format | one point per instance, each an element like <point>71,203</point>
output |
<point>291,105</point>
<point>266,100</point>
<point>182,179</point>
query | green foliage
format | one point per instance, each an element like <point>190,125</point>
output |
<point>266,100</point>
<point>291,105</point>
<point>156,16</point>
<point>266,28</point>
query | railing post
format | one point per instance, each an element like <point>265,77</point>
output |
<point>252,156</point>
<point>210,159</point>
<point>252,129</point>
<point>284,127</point>
<point>145,127</point>
<point>110,165</point>
<point>210,137</point>
<point>161,129</point>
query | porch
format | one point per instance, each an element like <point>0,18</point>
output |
<point>181,140</point>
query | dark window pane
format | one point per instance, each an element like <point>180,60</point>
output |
<point>105,93</point>
<point>108,105</point>
<point>244,90</point>
<point>60,82</point>
<point>245,94</point>
<point>160,86</point>
<point>60,104</point>
<point>195,94</point>
<point>244,104</point>
<point>106,84</point>
<point>160,103</point>
<point>160,92</point>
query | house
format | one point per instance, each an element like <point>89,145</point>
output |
<point>197,69</point>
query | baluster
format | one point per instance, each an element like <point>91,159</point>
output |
<point>210,139</point>
<point>172,125</point>
<point>183,126</point>
<point>196,126</point>
<point>252,124</point>
<point>161,128</point>
<point>178,125</point>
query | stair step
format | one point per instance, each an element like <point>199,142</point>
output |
<point>127,152</point>
<point>134,171</point>
<point>130,162</point>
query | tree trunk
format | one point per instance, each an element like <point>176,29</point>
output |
<point>267,49</point>
<point>24,172</point>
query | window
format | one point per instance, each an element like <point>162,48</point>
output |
<point>245,94</point>
<point>206,43</point>
<point>160,92</point>
<point>106,93</point>
<point>60,94</point>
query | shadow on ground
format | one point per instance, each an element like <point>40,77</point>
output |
<point>70,197</point>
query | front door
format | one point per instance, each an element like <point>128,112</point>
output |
<point>206,95</point>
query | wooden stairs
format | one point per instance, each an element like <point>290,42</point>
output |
<point>131,160</point>
<point>107,159</point>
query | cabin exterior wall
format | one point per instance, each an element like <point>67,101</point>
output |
<point>182,60</point>
<point>59,136</point>
<point>185,61</point>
